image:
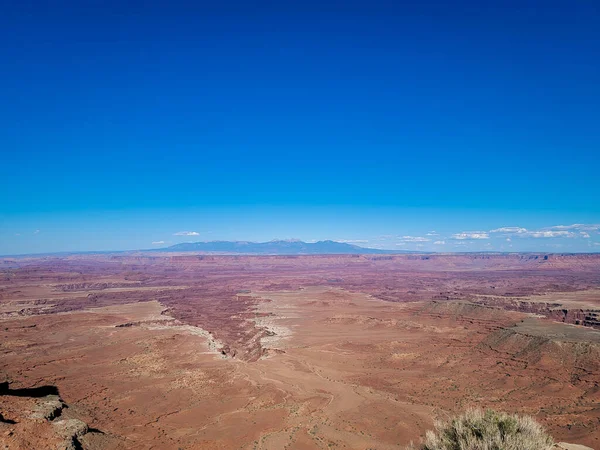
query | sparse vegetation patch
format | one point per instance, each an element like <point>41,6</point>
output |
<point>488,430</point>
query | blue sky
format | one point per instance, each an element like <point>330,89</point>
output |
<point>361,121</point>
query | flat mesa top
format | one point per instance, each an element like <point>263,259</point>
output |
<point>557,331</point>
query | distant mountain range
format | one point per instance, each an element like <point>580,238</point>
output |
<point>277,247</point>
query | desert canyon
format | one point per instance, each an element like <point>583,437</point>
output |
<point>187,351</point>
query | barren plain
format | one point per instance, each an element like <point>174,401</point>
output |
<point>301,352</point>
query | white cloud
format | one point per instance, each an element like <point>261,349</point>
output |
<point>596,243</point>
<point>186,233</point>
<point>471,235</point>
<point>551,234</point>
<point>439,243</point>
<point>583,234</point>
<point>563,227</point>
<point>517,230</point>
<point>400,244</point>
<point>576,226</point>
<point>158,242</point>
<point>508,239</point>
<point>414,239</point>
<point>17,234</point>
<point>352,241</point>
<point>432,233</point>
<point>559,231</point>
<point>36,231</point>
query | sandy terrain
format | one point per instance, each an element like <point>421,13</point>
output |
<point>300,352</point>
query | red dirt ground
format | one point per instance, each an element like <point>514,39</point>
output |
<point>307,352</point>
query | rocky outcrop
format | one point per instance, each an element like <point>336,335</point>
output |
<point>48,408</point>
<point>92,286</point>
<point>566,446</point>
<point>552,310</point>
<point>486,317</point>
<point>71,430</point>
<point>30,419</point>
<point>572,352</point>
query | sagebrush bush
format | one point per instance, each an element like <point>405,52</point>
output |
<point>489,430</point>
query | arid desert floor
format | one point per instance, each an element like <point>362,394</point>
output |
<point>169,351</point>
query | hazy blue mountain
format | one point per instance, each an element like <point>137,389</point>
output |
<point>283,247</point>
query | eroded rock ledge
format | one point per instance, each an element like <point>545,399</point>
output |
<point>36,417</point>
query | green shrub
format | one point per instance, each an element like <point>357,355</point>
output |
<point>489,430</point>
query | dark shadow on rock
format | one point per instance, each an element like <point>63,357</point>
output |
<point>3,420</point>
<point>35,392</point>
<point>76,444</point>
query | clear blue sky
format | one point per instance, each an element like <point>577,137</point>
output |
<point>124,123</point>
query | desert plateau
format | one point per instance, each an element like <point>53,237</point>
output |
<point>316,225</point>
<point>187,351</point>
